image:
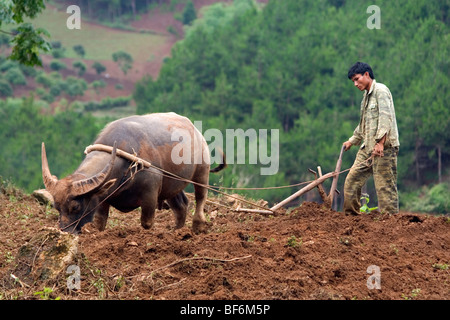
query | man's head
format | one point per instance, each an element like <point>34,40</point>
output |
<point>362,75</point>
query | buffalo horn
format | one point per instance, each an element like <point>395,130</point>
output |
<point>84,186</point>
<point>49,180</point>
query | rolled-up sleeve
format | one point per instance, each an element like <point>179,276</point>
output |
<point>385,114</point>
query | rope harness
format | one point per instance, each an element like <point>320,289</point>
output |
<point>139,164</point>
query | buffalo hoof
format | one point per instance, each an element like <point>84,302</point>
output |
<point>199,227</point>
<point>99,223</point>
<point>179,225</point>
<point>147,225</point>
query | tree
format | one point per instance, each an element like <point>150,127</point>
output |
<point>5,89</point>
<point>57,65</point>
<point>284,66</point>
<point>75,87</point>
<point>189,13</point>
<point>4,41</point>
<point>15,76</point>
<point>80,66</point>
<point>99,68</point>
<point>79,50</point>
<point>124,60</point>
<point>27,41</point>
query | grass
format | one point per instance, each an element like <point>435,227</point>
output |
<point>294,242</point>
<point>98,41</point>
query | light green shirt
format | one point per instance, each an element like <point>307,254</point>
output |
<point>377,118</point>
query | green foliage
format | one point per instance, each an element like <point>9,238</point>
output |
<point>98,67</point>
<point>58,53</point>
<point>75,86</point>
<point>433,199</point>
<point>80,66</point>
<point>107,103</point>
<point>293,242</point>
<point>6,65</point>
<point>124,60</point>
<point>46,294</point>
<point>27,41</point>
<point>5,88</point>
<point>56,85</point>
<point>189,13</point>
<point>27,44</point>
<point>57,65</point>
<point>97,84</point>
<point>365,207</point>
<point>23,127</point>
<point>284,66</point>
<point>44,79</point>
<point>440,266</point>
<point>4,40</point>
<point>15,76</point>
<point>79,50</point>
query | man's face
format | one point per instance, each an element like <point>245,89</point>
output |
<point>362,81</point>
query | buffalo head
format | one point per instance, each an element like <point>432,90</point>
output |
<point>77,199</point>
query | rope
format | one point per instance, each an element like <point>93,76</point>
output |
<point>136,161</point>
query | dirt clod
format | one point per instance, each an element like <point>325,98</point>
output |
<point>308,252</point>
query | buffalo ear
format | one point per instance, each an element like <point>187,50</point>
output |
<point>106,186</point>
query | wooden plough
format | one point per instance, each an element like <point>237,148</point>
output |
<point>327,199</point>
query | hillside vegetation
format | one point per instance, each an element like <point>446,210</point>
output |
<point>285,66</point>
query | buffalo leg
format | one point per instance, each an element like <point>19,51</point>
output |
<point>101,216</point>
<point>148,213</point>
<point>199,221</point>
<point>179,205</point>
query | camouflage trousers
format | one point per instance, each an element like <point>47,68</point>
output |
<point>384,171</point>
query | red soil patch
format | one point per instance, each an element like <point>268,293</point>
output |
<point>307,253</point>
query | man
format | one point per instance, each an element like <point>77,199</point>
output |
<point>377,131</point>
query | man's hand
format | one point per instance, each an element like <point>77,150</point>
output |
<point>379,147</point>
<point>347,145</point>
<point>378,150</point>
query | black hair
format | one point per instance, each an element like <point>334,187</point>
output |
<point>360,68</point>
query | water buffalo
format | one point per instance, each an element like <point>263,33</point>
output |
<point>104,179</point>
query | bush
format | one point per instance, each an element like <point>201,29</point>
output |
<point>429,199</point>
<point>80,66</point>
<point>99,68</point>
<point>57,65</point>
<point>15,76</point>
<point>55,91</point>
<point>44,79</point>
<point>56,44</point>
<point>5,89</point>
<point>28,71</point>
<point>189,13</point>
<point>107,103</point>
<point>6,65</point>
<point>79,50</point>
<point>58,53</point>
<point>97,84</point>
<point>75,87</point>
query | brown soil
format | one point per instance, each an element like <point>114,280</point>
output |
<point>305,253</point>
